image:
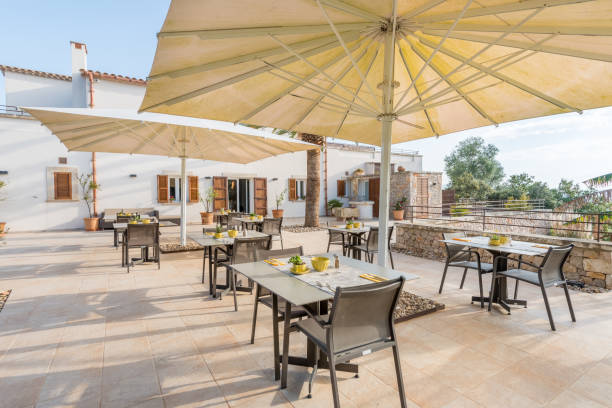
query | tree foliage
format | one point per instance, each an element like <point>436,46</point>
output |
<point>473,169</point>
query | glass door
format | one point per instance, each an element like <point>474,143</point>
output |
<point>244,196</point>
<point>232,194</point>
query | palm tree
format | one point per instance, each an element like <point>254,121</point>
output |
<point>313,179</point>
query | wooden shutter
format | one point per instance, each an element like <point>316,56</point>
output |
<point>374,195</point>
<point>341,188</point>
<point>194,194</point>
<point>162,189</point>
<point>422,197</point>
<point>292,190</point>
<point>220,187</point>
<point>261,196</point>
<point>62,184</point>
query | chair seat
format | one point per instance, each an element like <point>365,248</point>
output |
<point>521,274</point>
<point>364,248</point>
<point>296,312</point>
<point>485,267</point>
<point>313,331</point>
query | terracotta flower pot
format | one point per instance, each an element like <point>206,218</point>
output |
<point>277,213</point>
<point>398,215</point>
<point>91,224</point>
<point>207,218</point>
<point>2,227</point>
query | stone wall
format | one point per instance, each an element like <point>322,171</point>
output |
<point>404,184</point>
<point>590,261</point>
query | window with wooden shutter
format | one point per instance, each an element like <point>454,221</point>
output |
<point>162,189</point>
<point>62,184</point>
<point>341,188</point>
<point>220,188</point>
<point>194,194</point>
<point>292,190</point>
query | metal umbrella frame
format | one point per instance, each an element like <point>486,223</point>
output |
<point>120,131</point>
<point>381,72</point>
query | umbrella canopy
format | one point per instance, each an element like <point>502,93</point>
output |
<point>381,72</point>
<point>118,131</point>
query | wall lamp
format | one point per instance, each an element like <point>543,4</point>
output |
<point>133,175</point>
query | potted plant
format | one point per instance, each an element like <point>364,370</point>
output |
<point>299,266</point>
<point>495,240</point>
<point>349,224</point>
<point>218,232</point>
<point>88,186</point>
<point>252,216</point>
<point>280,197</point>
<point>398,209</point>
<point>2,223</point>
<point>334,203</point>
<point>207,201</point>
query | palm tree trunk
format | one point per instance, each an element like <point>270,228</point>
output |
<point>313,187</point>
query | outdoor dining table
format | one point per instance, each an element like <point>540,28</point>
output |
<point>313,291</point>
<point>353,234</point>
<point>500,289</point>
<point>248,223</point>
<point>121,227</point>
<point>210,242</point>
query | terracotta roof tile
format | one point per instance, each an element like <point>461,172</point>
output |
<point>8,68</point>
<point>114,77</point>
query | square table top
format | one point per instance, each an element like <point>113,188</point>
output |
<point>301,293</point>
<point>362,229</point>
<point>247,220</point>
<point>515,247</point>
<point>210,241</point>
<point>123,225</point>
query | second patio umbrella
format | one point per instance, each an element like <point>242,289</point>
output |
<point>118,131</point>
<point>381,72</point>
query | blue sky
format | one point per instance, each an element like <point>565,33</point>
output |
<point>120,37</point>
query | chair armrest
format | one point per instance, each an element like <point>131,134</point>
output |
<point>466,251</point>
<point>508,258</point>
<point>220,249</point>
<point>317,318</point>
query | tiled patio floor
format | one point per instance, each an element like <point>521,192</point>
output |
<point>79,331</point>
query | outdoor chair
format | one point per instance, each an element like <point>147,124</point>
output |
<point>370,248</point>
<point>273,227</point>
<point>337,238</point>
<point>244,250</point>
<point>548,273</point>
<point>142,236</point>
<point>206,249</point>
<point>460,256</point>
<point>232,220</point>
<point>360,323</point>
<point>263,296</point>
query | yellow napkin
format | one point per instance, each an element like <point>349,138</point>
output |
<point>541,246</point>
<point>372,277</point>
<point>461,239</point>
<point>274,262</point>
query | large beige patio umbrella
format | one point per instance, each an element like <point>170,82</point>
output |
<point>381,72</point>
<point>120,131</point>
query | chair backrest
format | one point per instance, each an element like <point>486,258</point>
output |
<point>213,229</point>
<point>551,269</point>
<point>363,315</point>
<point>142,234</point>
<point>335,236</point>
<point>279,253</point>
<point>123,218</point>
<point>245,249</point>
<point>272,226</point>
<point>453,251</point>
<point>372,243</point>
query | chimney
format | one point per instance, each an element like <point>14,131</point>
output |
<point>78,52</point>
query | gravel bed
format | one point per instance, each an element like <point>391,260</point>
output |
<point>167,245</point>
<point>410,306</point>
<point>3,298</point>
<point>300,228</point>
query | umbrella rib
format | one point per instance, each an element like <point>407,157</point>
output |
<point>359,87</point>
<point>150,138</point>
<point>86,135</point>
<point>327,105</point>
<point>292,88</point>
<point>531,29</point>
<point>103,139</point>
<point>195,141</point>
<point>320,98</point>
<point>420,10</point>
<point>505,78</point>
<point>333,27</point>
<point>474,77</point>
<point>318,89</point>
<point>246,75</point>
<point>500,9</point>
<point>416,88</point>
<point>221,34</point>
<point>196,69</point>
<point>136,136</point>
<point>445,78</point>
<point>522,45</point>
<point>96,126</point>
<point>410,124</point>
<point>426,64</point>
<point>509,31</point>
<point>320,71</point>
<point>339,5</point>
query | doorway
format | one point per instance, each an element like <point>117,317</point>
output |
<point>239,195</point>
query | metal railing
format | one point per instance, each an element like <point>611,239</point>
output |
<point>526,219</point>
<point>12,110</point>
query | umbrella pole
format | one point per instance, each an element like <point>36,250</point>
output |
<point>387,119</point>
<point>183,203</point>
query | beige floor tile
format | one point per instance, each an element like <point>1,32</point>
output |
<point>570,398</point>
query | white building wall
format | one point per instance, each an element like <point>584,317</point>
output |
<point>116,95</point>
<point>29,90</point>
